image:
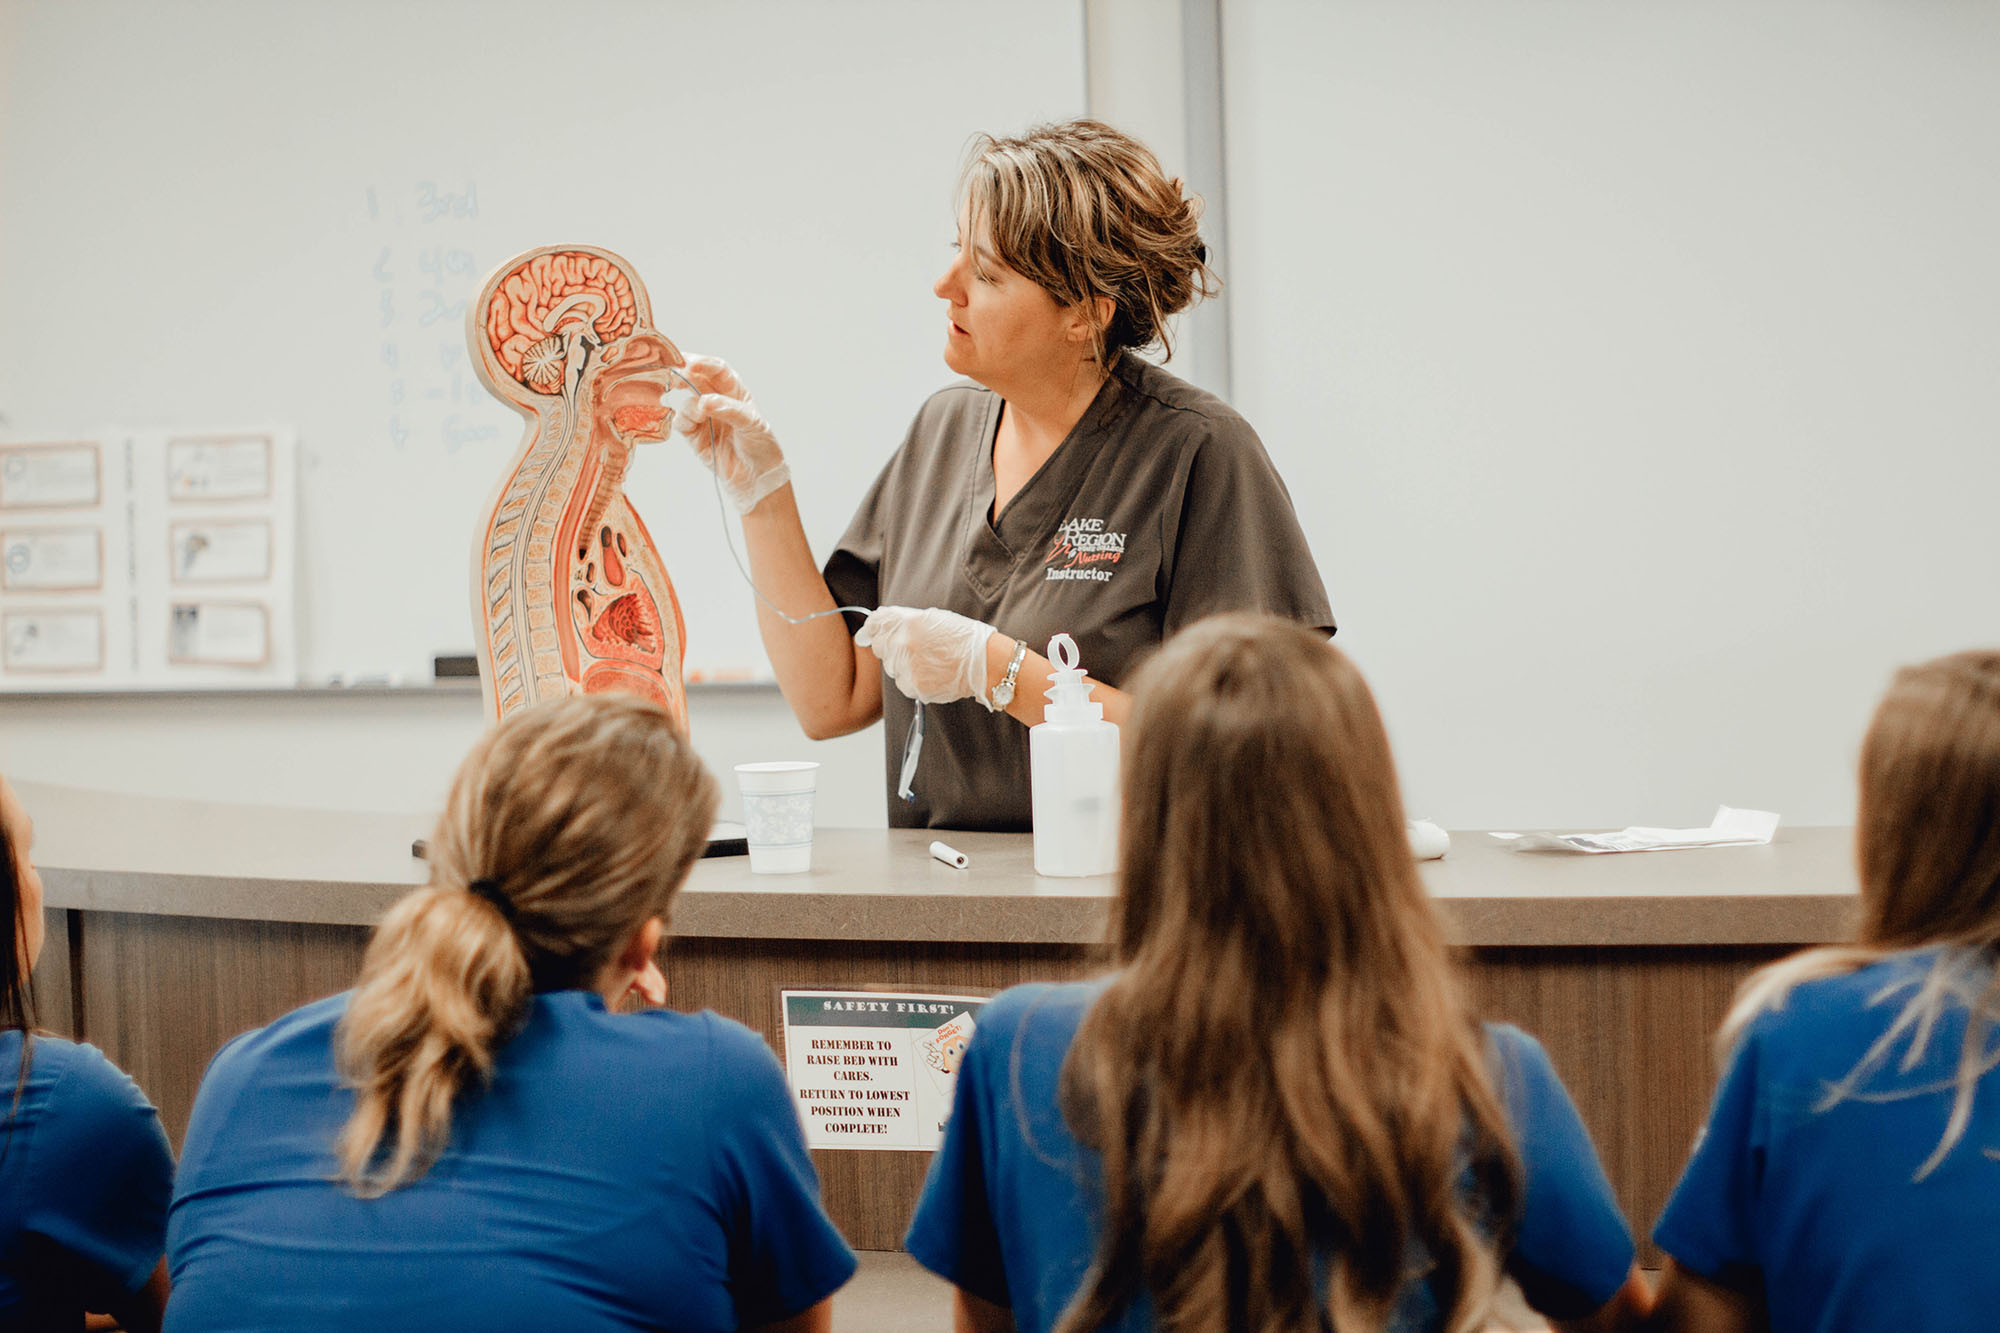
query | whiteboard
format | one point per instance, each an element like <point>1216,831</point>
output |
<point>237,210</point>
<point>1633,367</point>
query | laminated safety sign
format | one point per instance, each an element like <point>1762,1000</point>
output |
<point>875,1070</point>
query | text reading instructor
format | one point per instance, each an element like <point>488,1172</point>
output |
<point>1071,487</point>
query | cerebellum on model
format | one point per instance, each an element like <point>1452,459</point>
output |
<point>569,595</point>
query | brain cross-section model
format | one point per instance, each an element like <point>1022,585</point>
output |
<point>568,592</point>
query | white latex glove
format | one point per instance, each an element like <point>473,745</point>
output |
<point>741,451</point>
<point>933,655</point>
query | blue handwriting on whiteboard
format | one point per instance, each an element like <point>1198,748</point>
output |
<point>434,204</point>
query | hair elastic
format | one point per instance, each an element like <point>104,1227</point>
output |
<point>489,888</point>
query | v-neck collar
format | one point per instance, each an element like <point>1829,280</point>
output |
<point>1046,494</point>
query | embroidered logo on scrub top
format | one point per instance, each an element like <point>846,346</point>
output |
<point>1084,551</point>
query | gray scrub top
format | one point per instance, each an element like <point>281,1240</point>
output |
<point>1160,507</point>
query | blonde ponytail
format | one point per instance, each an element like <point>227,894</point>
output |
<point>447,983</point>
<point>568,827</point>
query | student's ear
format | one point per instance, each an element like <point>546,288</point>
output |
<point>644,944</point>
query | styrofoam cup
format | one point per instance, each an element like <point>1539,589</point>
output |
<point>778,815</point>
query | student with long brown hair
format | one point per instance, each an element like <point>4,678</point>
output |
<point>1847,1176</point>
<point>85,1171</point>
<point>473,1138</point>
<point>1279,1111</point>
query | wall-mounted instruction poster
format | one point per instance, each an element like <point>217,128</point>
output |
<point>220,633</point>
<point>149,559</point>
<point>219,551</point>
<point>65,589</point>
<point>52,642</point>
<point>51,476</point>
<point>52,559</point>
<point>204,468</point>
<point>872,1070</point>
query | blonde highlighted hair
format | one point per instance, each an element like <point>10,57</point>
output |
<point>577,820</point>
<point>1927,845</point>
<point>1085,212</point>
<point>1286,1086</point>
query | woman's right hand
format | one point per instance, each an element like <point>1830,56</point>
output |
<point>729,434</point>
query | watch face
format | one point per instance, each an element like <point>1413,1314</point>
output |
<point>1003,693</point>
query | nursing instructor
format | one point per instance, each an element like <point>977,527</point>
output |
<point>1071,487</point>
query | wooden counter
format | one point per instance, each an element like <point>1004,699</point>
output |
<point>187,922</point>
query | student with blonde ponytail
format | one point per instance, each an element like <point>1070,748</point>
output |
<point>472,1137</point>
<point>1849,1175</point>
<point>1279,1112</point>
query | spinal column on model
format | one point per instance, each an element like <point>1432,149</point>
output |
<point>569,594</point>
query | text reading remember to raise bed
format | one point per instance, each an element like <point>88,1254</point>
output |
<point>875,1071</point>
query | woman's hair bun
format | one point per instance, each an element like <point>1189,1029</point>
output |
<point>1084,211</point>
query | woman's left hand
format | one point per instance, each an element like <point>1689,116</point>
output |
<point>933,655</point>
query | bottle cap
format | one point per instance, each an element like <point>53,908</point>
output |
<point>1069,689</point>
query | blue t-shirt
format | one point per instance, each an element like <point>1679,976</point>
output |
<point>1010,1210</point>
<point>621,1171</point>
<point>85,1174</point>
<point>1818,1201</point>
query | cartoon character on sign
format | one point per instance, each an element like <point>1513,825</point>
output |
<point>569,595</point>
<point>942,1048</point>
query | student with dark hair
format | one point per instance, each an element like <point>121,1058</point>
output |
<point>1847,1178</point>
<point>472,1137</point>
<point>85,1171</point>
<point>1279,1112</point>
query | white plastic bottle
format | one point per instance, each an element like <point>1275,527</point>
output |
<point>1073,769</point>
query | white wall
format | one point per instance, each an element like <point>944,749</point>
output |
<point>1633,368</point>
<point>1136,56</point>
<point>1133,57</point>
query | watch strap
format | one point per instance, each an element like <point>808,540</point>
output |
<point>1003,693</point>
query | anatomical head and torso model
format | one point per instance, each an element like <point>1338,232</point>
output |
<point>569,595</point>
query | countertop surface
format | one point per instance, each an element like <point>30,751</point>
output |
<point>100,851</point>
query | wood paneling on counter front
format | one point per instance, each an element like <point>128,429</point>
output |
<point>161,994</point>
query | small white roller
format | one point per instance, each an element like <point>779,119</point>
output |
<point>1428,842</point>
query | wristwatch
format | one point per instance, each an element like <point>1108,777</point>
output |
<point>1003,693</point>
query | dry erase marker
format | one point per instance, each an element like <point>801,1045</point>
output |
<point>951,856</point>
